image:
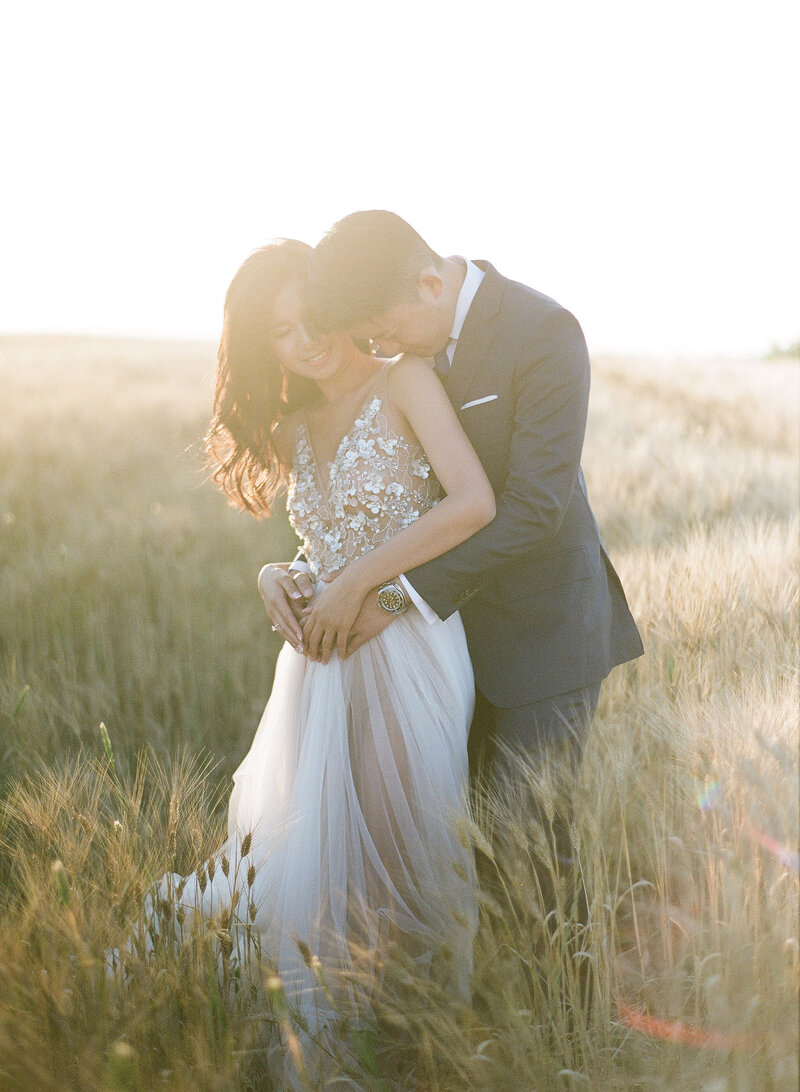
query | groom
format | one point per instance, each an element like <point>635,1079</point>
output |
<point>544,611</point>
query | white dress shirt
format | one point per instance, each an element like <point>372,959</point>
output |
<point>469,288</point>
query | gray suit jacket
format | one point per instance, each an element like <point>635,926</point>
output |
<point>542,606</point>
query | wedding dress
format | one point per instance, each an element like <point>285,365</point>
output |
<point>352,799</point>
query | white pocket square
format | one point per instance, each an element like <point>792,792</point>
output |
<point>479,401</point>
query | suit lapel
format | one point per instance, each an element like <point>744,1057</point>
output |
<point>476,335</point>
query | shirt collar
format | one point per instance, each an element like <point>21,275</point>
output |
<point>469,288</point>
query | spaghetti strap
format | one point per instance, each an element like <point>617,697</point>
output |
<point>382,383</point>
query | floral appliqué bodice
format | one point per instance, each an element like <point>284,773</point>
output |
<point>378,482</point>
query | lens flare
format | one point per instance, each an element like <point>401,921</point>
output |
<point>787,856</point>
<point>676,1031</point>
<point>707,794</point>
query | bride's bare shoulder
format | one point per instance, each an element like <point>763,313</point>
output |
<point>413,382</point>
<point>404,369</point>
<point>411,360</point>
<point>409,371</point>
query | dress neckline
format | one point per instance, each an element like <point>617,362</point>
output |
<point>325,485</point>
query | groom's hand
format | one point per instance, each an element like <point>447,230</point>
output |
<point>370,621</point>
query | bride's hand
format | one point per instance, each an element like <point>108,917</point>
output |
<point>329,618</point>
<point>285,593</point>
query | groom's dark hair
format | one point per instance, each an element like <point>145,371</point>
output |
<point>367,263</point>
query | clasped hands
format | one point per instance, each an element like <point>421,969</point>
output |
<point>340,614</point>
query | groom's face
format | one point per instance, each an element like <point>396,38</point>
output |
<point>420,324</point>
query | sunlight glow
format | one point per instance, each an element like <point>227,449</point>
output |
<point>635,161</point>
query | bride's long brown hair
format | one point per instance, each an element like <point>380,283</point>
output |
<point>252,391</point>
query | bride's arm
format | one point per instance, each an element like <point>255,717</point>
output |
<point>467,506</point>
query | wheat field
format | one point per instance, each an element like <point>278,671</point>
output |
<point>128,600</point>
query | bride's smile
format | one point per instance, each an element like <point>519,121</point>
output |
<point>300,349</point>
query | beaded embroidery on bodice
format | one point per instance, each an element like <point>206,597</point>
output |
<point>379,481</point>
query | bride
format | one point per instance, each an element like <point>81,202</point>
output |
<point>348,802</point>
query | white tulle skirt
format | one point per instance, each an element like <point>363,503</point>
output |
<point>351,805</point>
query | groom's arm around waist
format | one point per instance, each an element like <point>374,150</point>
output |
<point>550,408</point>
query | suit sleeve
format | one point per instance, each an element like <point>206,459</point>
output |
<point>551,404</point>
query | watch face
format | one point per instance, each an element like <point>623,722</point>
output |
<point>391,599</point>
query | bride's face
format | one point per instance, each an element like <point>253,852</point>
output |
<point>298,349</point>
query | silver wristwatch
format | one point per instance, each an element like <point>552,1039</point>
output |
<point>392,597</point>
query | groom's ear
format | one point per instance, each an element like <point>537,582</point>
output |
<point>429,284</point>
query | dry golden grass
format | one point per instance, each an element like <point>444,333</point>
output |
<point>127,596</point>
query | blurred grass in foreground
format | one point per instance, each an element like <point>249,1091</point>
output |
<point>127,596</point>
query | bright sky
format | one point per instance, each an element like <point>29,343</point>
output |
<point>636,159</point>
